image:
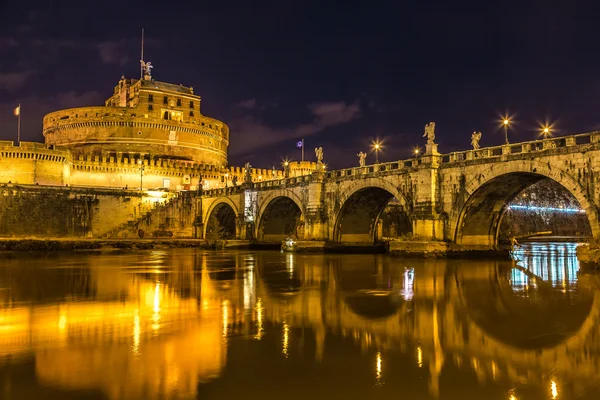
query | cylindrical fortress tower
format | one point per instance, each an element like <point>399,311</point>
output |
<point>154,119</point>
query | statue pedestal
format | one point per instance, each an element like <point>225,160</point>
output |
<point>431,148</point>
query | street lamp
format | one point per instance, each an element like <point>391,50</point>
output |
<point>546,132</point>
<point>505,123</point>
<point>416,150</point>
<point>286,169</point>
<point>142,168</point>
<point>377,147</point>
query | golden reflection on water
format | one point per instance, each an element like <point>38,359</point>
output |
<point>285,340</point>
<point>553,390</point>
<point>134,333</point>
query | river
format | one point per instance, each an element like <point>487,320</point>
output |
<point>186,324</point>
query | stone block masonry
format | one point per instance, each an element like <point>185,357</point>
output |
<point>64,212</point>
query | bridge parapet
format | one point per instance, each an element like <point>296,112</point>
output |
<point>533,146</point>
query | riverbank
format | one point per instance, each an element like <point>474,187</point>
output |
<point>418,249</point>
<point>53,245</point>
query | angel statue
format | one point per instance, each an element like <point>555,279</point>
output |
<point>146,67</point>
<point>319,154</point>
<point>430,132</point>
<point>361,158</point>
<point>248,172</point>
<point>475,138</point>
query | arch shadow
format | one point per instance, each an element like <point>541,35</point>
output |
<point>280,218</point>
<point>477,222</point>
<point>221,221</point>
<point>361,218</point>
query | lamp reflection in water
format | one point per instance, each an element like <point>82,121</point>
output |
<point>259,319</point>
<point>290,264</point>
<point>286,338</point>
<point>156,309</point>
<point>136,333</point>
<point>378,369</point>
<point>419,357</point>
<point>225,308</point>
<point>553,390</point>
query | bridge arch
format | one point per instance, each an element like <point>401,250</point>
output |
<point>361,207</point>
<point>280,215</point>
<point>222,215</point>
<point>476,222</point>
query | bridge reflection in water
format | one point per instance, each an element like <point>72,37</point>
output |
<point>187,324</point>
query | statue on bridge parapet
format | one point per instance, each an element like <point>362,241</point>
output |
<point>430,132</point>
<point>475,138</point>
<point>431,147</point>
<point>248,173</point>
<point>361,158</point>
<point>234,181</point>
<point>319,154</point>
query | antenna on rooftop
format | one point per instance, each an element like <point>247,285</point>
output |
<point>142,59</point>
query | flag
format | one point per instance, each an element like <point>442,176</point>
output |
<point>299,144</point>
<point>17,111</point>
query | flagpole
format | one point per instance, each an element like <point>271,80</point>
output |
<point>19,126</point>
<point>142,60</point>
<point>303,149</point>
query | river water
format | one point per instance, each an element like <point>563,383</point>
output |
<point>186,323</point>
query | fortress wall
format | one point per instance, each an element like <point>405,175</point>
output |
<point>174,217</point>
<point>32,163</point>
<point>38,211</point>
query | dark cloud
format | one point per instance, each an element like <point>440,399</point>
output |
<point>12,81</point>
<point>115,52</point>
<point>253,133</point>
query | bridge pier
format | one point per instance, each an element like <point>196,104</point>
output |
<point>428,224</point>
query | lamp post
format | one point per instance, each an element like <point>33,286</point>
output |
<point>546,132</point>
<point>416,151</point>
<point>142,168</point>
<point>505,124</point>
<point>286,169</point>
<point>377,147</point>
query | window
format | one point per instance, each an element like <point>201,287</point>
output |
<point>150,98</point>
<point>172,115</point>
<point>191,113</point>
<point>165,100</point>
<point>191,104</point>
<point>150,107</point>
<point>178,102</point>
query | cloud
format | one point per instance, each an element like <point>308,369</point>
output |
<point>247,104</point>
<point>113,52</point>
<point>12,81</point>
<point>251,132</point>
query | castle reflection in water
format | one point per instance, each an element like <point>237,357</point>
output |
<point>187,324</point>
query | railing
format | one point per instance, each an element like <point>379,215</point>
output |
<point>534,146</point>
<point>522,147</point>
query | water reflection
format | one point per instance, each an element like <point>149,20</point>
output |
<point>189,324</point>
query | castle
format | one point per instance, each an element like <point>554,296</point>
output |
<point>148,135</point>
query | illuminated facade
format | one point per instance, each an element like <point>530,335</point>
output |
<point>149,134</point>
<point>155,120</point>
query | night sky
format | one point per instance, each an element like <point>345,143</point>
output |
<point>339,76</point>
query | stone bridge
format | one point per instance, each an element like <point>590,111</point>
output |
<point>457,198</point>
